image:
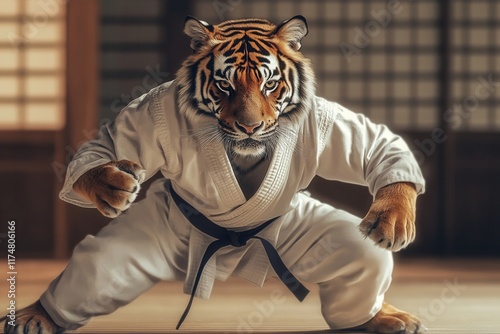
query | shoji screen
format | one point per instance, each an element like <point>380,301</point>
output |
<point>32,65</point>
<point>132,52</point>
<point>475,66</point>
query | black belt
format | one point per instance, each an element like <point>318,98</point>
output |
<point>226,237</point>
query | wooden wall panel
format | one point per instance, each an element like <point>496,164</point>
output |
<point>26,196</point>
<point>82,103</point>
<point>476,227</point>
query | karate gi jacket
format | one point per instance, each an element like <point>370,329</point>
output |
<point>329,141</point>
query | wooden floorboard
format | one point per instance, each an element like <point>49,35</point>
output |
<point>451,296</point>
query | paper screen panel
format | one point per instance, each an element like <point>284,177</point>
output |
<point>32,65</point>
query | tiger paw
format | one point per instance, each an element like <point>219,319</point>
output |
<point>391,320</point>
<point>390,222</point>
<point>32,319</point>
<point>112,187</point>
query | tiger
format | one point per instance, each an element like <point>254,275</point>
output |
<point>248,87</point>
<point>248,77</point>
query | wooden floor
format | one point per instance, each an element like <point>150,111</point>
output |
<point>450,296</point>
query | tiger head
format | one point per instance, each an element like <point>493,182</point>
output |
<point>248,76</point>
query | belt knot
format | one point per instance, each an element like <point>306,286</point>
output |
<point>236,239</point>
<point>225,237</point>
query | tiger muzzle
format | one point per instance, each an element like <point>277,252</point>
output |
<point>249,129</point>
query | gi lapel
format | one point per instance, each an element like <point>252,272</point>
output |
<point>247,213</point>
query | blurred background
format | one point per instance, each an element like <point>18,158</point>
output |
<point>429,69</point>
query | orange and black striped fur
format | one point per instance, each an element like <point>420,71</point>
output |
<point>249,76</point>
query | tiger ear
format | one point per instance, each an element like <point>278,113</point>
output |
<point>292,31</point>
<point>198,30</point>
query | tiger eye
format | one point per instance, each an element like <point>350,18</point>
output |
<point>271,84</point>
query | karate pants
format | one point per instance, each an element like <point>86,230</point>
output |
<point>143,246</point>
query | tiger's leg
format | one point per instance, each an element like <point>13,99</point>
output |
<point>352,273</point>
<point>126,258</point>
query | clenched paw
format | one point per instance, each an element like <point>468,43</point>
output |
<point>390,222</point>
<point>112,187</point>
<point>391,320</point>
<point>32,319</point>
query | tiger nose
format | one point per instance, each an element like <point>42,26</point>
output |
<point>249,128</point>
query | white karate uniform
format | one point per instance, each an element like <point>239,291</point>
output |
<point>153,241</point>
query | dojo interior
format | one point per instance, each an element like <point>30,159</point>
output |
<point>428,69</point>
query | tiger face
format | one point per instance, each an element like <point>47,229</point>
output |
<point>246,75</point>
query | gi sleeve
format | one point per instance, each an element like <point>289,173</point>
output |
<point>131,136</point>
<point>355,150</point>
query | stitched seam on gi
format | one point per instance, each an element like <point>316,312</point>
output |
<point>326,115</point>
<point>160,121</point>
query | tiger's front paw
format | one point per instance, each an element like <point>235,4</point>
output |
<point>390,222</point>
<point>112,187</point>
<point>32,319</point>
